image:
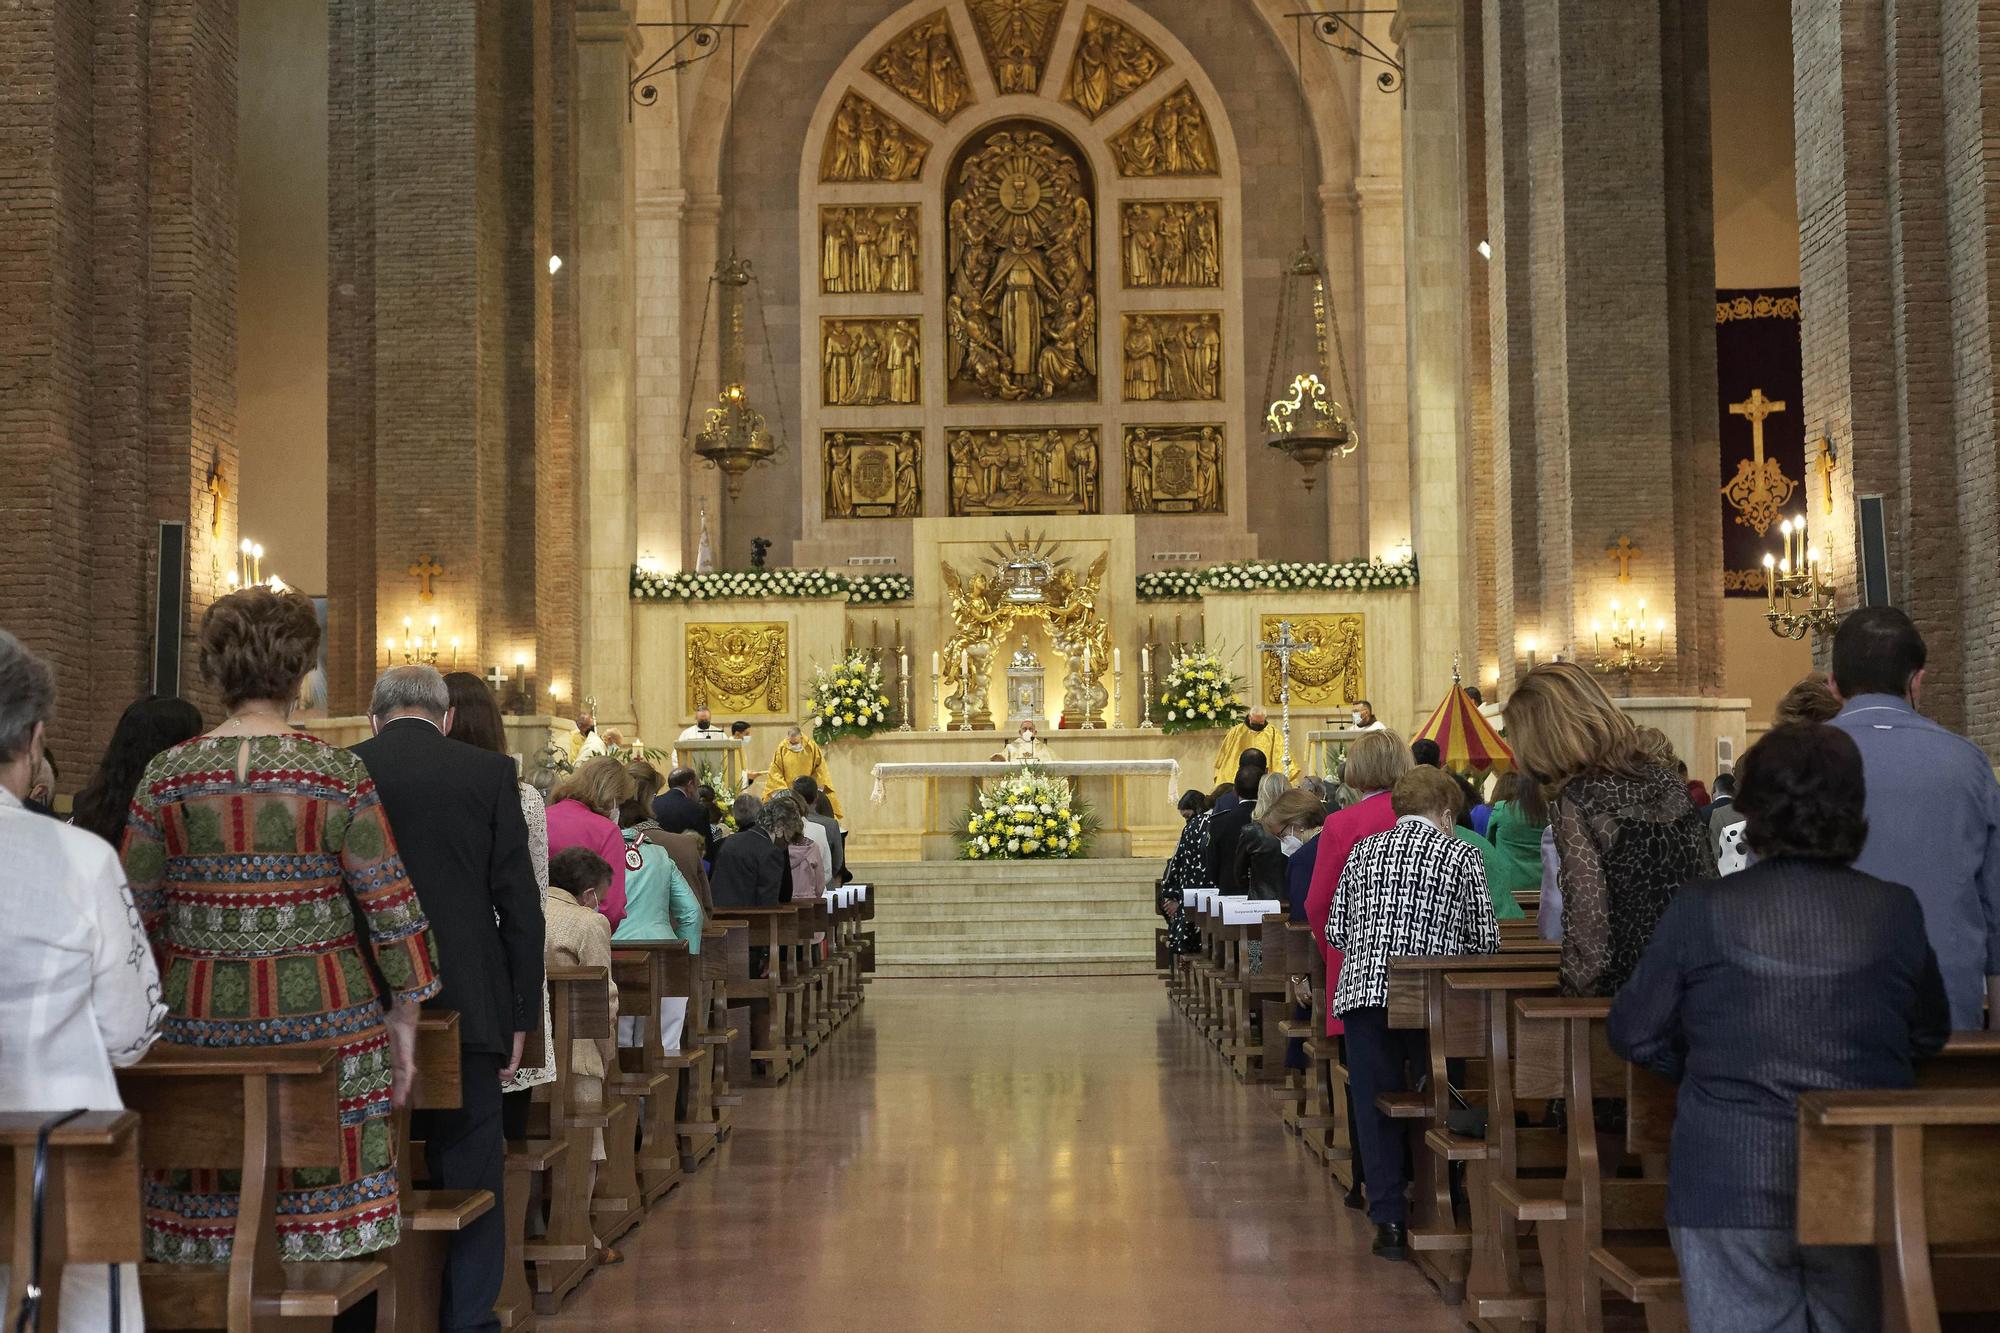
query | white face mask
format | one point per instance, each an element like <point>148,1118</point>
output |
<point>1290,843</point>
<point>798,747</point>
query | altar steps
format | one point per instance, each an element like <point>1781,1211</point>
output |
<point>1028,918</point>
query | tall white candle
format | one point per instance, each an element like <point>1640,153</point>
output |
<point>937,665</point>
<point>1117,663</point>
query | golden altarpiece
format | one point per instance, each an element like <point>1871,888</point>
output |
<point>1020,246</point>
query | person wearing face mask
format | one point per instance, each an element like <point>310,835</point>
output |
<point>800,758</point>
<point>1253,732</point>
<point>1364,718</point>
<point>1267,844</point>
<point>1028,747</point>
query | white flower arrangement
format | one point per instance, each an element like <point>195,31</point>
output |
<point>726,584</point>
<point>1353,576</point>
<point>1199,693</point>
<point>1027,815</point>
<point>848,701</point>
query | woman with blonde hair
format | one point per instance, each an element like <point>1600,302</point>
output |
<point>1626,833</point>
<point>583,812</point>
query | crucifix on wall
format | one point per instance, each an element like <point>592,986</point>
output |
<point>1825,463</point>
<point>424,571</point>
<point>1624,552</point>
<point>1284,648</point>
<point>218,491</point>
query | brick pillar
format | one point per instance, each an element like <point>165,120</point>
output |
<point>1895,107</point>
<point>118,211</point>
<point>447,416</point>
<point>606,42</point>
<point>1476,475</point>
<point>1383,491</point>
<point>1517,586</point>
<point>1620,285</point>
<point>1435,246</point>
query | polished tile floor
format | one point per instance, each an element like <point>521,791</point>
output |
<point>1032,1154</point>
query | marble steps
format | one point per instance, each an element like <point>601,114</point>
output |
<point>1024,918</point>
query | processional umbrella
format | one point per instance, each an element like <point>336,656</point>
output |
<point>1466,741</point>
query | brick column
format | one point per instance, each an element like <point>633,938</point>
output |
<point>1435,244</point>
<point>1620,285</point>
<point>606,42</point>
<point>118,211</point>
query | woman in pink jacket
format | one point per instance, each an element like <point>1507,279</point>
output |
<point>583,812</point>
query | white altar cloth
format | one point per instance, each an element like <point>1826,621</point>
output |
<point>1069,768</point>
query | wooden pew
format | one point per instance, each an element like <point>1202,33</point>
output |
<point>409,1303</point>
<point>770,998</point>
<point>580,1007</point>
<point>530,1161</point>
<point>710,1026</point>
<point>247,1111</point>
<point>1454,1024</point>
<point>90,1205</point>
<point>1915,1173</point>
<point>647,972</point>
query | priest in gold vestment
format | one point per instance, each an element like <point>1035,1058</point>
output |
<point>1255,732</point>
<point>800,758</point>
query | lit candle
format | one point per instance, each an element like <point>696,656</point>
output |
<point>406,627</point>
<point>1145,659</point>
<point>454,650</point>
<point>1771,579</point>
<point>1785,534</point>
<point>389,651</point>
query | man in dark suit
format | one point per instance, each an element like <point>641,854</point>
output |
<point>677,809</point>
<point>456,814</point>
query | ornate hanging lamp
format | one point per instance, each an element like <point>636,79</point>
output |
<point>1303,420</point>
<point>734,436</point>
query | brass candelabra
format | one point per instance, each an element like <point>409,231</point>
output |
<point>1798,595</point>
<point>1630,640</point>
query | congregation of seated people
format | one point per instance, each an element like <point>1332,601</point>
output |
<point>1817,937</point>
<point>420,921</point>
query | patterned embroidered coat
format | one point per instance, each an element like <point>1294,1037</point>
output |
<point>243,854</point>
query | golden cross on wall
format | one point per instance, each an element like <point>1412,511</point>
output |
<point>1624,553</point>
<point>423,572</point>
<point>1825,463</point>
<point>218,491</point>
<point>1760,487</point>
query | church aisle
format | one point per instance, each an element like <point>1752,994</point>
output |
<point>1007,1154</point>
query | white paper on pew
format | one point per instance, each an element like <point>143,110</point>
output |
<point>673,1015</point>
<point>1249,911</point>
<point>1190,897</point>
<point>628,1031</point>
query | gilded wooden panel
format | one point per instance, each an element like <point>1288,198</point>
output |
<point>1173,358</point>
<point>923,64</point>
<point>1329,673</point>
<point>1016,36</point>
<point>1051,471</point>
<point>1174,469</point>
<point>1111,63</point>
<point>873,474</point>
<point>739,667</point>
<point>1172,139</point>
<point>870,362</point>
<point>1021,318</point>
<point>866,143</point>
<point>1171,242</point>
<point>866,250</point>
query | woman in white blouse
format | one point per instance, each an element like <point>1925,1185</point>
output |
<point>79,994</point>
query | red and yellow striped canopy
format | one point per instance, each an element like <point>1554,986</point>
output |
<point>1467,740</point>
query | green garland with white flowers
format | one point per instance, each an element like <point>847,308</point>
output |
<point>1186,585</point>
<point>750,584</point>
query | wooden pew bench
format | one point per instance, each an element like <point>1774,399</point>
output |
<point>771,998</point>
<point>649,1076</point>
<point>1915,1173</point>
<point>90,1202</point>
<point>580,1008</point>
<point>246,1111</point>
<point>409,1303</point>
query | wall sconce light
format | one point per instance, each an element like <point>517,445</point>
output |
<point>1798,577</point>
<point>1630,641</point>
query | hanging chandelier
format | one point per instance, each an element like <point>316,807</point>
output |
<point>734,436</point>
<point>1303,420</point>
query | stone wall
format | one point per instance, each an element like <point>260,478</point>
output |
<point>118,275</point>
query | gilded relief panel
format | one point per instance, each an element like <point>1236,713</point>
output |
<point>1052,471</point>
<point>1016,36</point>
<point>1328,674</point>
<point>1171,242</point>
<point>1173,469</point>
<point>1173,358</point>
<point>869,250</point>
<point>1111,63</point>
<point>866,143</point>
<point>869,362</point>
<point>923,64</point>
<point>1172,139</point>
<point>1021,316</point>
<point>739,667</point>
<point>873,474</point>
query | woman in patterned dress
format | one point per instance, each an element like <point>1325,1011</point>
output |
<point>249,851</point>
<point>1626,833</point>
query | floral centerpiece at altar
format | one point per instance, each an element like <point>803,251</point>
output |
<point>848,701</point>
<point>1199,693</point>
<point>1183,585</point>
<point>1027,815</point>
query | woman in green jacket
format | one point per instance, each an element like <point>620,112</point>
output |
<point>1519,816</point>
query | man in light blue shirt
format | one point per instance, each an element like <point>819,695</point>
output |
<point>1933,805</point>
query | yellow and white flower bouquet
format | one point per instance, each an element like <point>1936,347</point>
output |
<point>1026,815</point>
<point>1200,693</point>
<point>847,701</point>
